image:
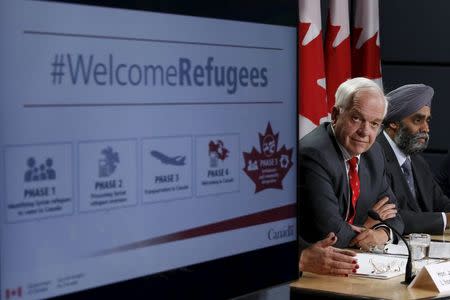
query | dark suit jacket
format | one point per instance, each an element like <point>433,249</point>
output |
<point>443,178</point>
<point>324,190</point>
<point>425,213</point>
<point>302,244</point>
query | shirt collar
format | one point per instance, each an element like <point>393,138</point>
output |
<point>401,157</point>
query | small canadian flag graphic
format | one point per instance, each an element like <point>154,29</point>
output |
<point>13,293</point>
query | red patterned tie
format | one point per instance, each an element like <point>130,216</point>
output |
<point>353,178</point>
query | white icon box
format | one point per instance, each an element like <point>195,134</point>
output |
<point>38,181</point>
<point>107,174</point>
<point>167,168</point>
<point>217,164</point>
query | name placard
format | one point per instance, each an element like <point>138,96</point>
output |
<point>435,276</point>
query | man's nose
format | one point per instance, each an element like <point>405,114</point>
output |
<point>425,127</point>
<point>364,128</point>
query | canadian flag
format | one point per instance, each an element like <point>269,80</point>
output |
<point>337,48</point>
<point>366,41</point>
<point>347,55</point>
<point>312,87</point>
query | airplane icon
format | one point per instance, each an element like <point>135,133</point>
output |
<point>175,161</point>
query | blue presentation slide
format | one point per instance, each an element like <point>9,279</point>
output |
<point>137,142</point>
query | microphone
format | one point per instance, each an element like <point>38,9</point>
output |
<point>408,271</point>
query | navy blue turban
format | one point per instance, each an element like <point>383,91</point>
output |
<point>406,100</point>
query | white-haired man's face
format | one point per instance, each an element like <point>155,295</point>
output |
<point>357,126</point>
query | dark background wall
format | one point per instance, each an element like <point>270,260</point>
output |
<point>415,48</point>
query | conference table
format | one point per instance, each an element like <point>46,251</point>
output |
<point>313,286</point>
<point>442,238</point>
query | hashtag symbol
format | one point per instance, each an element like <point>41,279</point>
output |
<point>58,67</point>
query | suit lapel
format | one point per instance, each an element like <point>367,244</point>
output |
<point>346,191</point>
<point>396,172</point>
<point>420,188</point>
<point>364,181</point>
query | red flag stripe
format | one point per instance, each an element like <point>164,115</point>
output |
<point>312,86</point>
<point>337,48</point>
<point>267,216</point>
<point>365,41</point>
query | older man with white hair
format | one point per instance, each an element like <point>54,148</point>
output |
<point>342,174</point>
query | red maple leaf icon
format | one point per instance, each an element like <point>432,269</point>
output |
<point>268,167</point>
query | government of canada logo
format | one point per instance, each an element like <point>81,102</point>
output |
<point>268,167</point>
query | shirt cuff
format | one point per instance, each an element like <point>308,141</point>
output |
<point>391,235</point>
<point>444,218</point>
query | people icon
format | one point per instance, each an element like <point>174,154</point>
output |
<point>41,172</point>
<point>252,165</point>
<point>51,174</point>
<point>31,162</point>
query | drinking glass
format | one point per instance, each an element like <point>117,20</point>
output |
<point>419,244</point>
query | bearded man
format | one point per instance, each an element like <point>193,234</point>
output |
<point>421,202</point>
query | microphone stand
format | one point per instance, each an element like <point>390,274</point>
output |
<point>408,270</point>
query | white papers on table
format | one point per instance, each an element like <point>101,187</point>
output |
<point>397,249</point>
<point>380,266</point>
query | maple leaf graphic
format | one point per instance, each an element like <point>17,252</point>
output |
<point>268,166</point>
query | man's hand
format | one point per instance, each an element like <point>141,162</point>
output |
<point>370,238</point>
<point>322,258</point>
<point>357,229</point>
<point>384,209</point>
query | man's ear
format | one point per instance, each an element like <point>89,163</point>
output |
<point>334,114</point>
<point>394,126</point>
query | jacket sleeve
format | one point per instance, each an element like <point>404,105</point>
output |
<point>429,222</point>
<point>424,221</point>
<point>397,222</point>
<point>443,178</point>
<point>319,208</point>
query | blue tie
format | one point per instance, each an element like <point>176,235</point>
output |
<point>407,171</point>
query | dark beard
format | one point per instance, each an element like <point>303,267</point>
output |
<point>409,142</point>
